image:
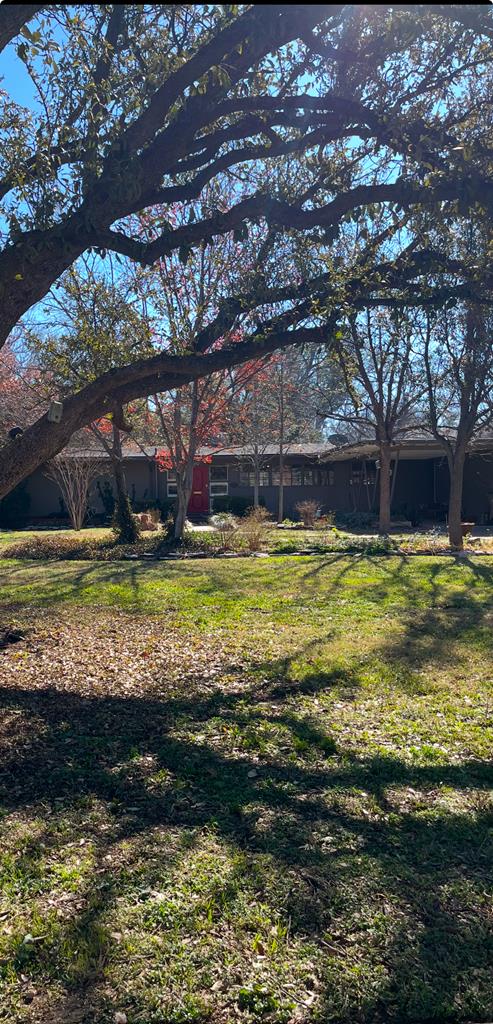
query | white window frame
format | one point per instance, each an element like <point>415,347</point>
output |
<point>218,488</point>
<point>171,485</point>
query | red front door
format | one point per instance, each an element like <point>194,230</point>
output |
<point>199,501</point>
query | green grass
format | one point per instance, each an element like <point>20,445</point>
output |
<point>88,533</point>
<point>247,790</point>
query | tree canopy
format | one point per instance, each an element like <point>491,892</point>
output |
<point>338,135</point>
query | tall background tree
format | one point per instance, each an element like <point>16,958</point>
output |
<point>378,356</point>
<point>458,357</point>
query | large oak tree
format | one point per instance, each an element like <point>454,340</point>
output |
<point>317,113</point>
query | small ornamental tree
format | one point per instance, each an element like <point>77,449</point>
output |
<point>74,475</point>
<point>185,292</point>
<point>190,419</point>
<point>187,419</point>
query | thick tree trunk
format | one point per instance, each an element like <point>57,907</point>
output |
<point>13,17</point>
<point>184,493</point>
<point>181,514</point>
<point>456,469</point>
<point>384,512</point>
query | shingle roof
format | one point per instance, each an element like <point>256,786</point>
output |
<point>418,442</point>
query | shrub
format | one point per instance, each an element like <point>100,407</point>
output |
<point>254,527</point>
<point>74,475</point>
<point>226,525</point>
<point>209,542</point>
<point>307,511</point>
<point>49,548</point>
<point>124,525</point>
<point>74,548</point>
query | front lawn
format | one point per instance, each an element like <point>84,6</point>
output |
<point>247,791</point>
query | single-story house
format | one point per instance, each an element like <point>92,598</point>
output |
<point>340,477</point>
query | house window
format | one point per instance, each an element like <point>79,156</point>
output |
<point>297,476</point>
<point>172,488</point>
<point>218,480</point>
<point>326,477</point>
<point>247,477</point>
<point>308,477</point>
<point>356,473</point>
<point>286,476</point>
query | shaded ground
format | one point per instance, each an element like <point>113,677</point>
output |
<point>247,792</point>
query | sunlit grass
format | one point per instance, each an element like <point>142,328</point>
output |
<point>294,826</point>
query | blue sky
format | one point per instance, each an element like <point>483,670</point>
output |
<point>16,80</point>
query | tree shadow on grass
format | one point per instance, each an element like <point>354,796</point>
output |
<point>379,866</point>
<point>428,866</point>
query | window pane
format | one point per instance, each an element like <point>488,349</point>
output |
<point>297,476</point>
<point>171,476</point>
<point>246,477</point>
<point>219,488</point>
<point>219,473</point>
<point>264,478</point>
<point>308,475</point>
<point>286,476</point>
<point>326,477</point>
<point>172,492</point>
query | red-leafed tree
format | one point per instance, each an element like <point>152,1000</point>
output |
<point>188,420</point>
<point>183,294</point>
<point>20,397</point>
